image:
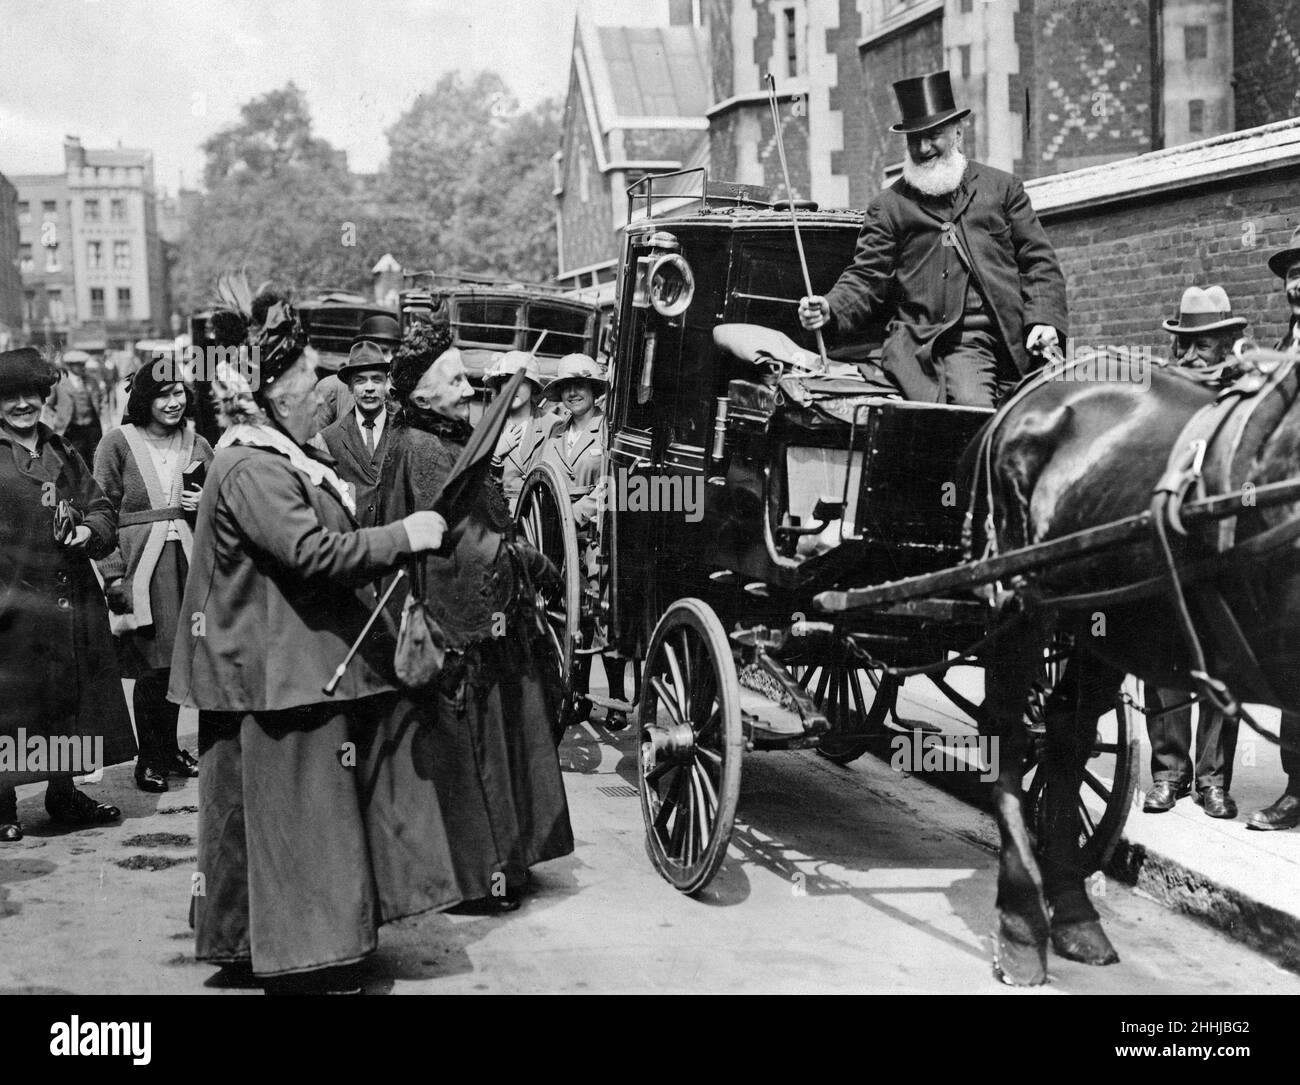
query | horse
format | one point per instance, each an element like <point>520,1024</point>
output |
<point>1064,455</point>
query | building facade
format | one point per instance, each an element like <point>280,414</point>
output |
<point>90,251</point>
<point>11,289</point>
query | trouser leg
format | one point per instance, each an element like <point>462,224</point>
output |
<point>971,363</point>
<point>1216,746</point>
<point>1171,737</point>
<point>1290,733</point>
<point>155,718</point>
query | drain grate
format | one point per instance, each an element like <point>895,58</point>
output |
<point>620,792</point>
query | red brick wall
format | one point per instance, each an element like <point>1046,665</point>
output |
<point>1127,266</point>
<point>1266,61</point>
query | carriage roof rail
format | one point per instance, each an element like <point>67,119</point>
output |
<point>684,195</point>
<point>415,280</point>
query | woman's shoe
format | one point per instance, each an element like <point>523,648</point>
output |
<point>181,763</point>
<point>487,905</point>
<point>615,719</point>
<point>10,831</point>
<point>68,806</point>
<point>148,778</point>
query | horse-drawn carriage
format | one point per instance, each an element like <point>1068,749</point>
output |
<point>748,489</point>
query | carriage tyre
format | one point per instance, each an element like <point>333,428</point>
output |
<point>690,744</point>
<point>544,519</point>
<point>849,695</point>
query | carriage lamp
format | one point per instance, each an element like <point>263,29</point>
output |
<point>664,280</point>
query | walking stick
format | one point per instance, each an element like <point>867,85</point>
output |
<point>794,215</point>
<point>333,684</point>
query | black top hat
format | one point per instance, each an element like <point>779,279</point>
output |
<point>24,370</point>
<point>925,102</point>
<point>1282,260</point>
<point>380,329</point>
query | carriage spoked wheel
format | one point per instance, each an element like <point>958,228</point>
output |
<point>849,694</point>
<point>690,745</point>
<point>1109,776</point>
<point>544,519</point>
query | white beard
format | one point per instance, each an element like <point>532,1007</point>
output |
<point>939,176</point>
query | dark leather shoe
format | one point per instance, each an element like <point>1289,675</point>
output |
<point>487,905</point>
<point>1163,795</point>
<point>10,831</point>
<point>1283,814</point>
<point>73,807</point>
<point>181,763</point>
<point>1217,802</point>
<point>615,720</point>
<point>148,778</point>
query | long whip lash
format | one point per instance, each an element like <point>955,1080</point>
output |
<point>794,215</point>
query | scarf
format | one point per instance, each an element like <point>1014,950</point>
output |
<point>254,436</point>
<point>455,431</point>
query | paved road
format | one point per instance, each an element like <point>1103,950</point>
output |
<point>841,880</point>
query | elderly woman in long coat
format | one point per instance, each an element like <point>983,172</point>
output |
<point>490,752</point>
<point>314,826</point>
<point>60,693</point>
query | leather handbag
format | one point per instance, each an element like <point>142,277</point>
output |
<point>421,643</point>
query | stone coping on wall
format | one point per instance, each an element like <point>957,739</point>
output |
<point>1268,147</point>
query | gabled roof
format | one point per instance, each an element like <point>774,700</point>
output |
<point>654,71</point>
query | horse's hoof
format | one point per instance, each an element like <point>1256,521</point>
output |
<point>1019,959</point>
<point>1085,942</point>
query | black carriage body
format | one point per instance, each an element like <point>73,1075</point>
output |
<point>699,509</point>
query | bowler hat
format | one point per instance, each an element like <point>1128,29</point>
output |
<point>1207,310</point>
<point>363,355</point>
<point>380,328</point>
<point>1280,261</point>
<point>24,370</point>
<point>575,367</point>
<point>510,363</point>
<point>925,102</point>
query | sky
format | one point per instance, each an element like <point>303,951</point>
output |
<point>165,74</point>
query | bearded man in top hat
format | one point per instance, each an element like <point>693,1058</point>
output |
<point>1285,812</point>
<point>333,397</point>
<point>953,256</point>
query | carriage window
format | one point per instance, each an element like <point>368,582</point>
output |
<point>492,323</point>
<point>566,329</point>
<point>769,282</point>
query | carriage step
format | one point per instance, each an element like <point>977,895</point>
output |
<point>767,724</point>
<point>609,703</point>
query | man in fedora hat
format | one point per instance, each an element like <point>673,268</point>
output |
<point>953,257</point>
<point>358,439</point>
<point>1285,812</point>
<point>333,400</point>
<point>1204,332</point>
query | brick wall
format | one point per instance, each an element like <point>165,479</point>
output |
<point>1090,90</point>
<point>1126,266</point>
<point>11,287</point>
<point>1266,61</point>
<point>846,96</point>
<point>717,17</point>
<point>587,226</point>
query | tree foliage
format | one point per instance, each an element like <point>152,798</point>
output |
<point>467,186</point>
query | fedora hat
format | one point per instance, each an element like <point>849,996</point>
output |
<point>576,367</point>
<point>1284,258</point>
<point>24,370</point>
<point>925,102</point>
<point>363,355</point>
<point>511,362</point>
<point>380,328</point>
<point>1207,310</point>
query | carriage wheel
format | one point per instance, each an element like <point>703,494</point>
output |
<point>690,745</point>
<point>850,696</point>
<point>544,518</point>
<point>1103,806</point>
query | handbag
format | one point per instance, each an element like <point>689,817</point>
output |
<point>421,643</point>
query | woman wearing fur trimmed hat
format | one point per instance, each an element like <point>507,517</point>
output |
<point>150,467</point>
<point>58,673</point>
<point>575,446</point>
<point>490,753</point>
<point>526,428</point>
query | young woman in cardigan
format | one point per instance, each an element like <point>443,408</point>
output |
<point>151,469</point>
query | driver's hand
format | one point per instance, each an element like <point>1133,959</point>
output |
<point>1041,336</point>
<point>814,311</point>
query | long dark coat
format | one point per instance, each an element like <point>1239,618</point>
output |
<point>316,820</point>
<point>58,668</point>
<point>355,464</point>
<point>908,271</point>
<point>491,754</point>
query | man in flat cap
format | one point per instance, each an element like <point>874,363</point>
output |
<point>953,257</point>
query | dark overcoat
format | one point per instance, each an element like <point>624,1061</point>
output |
<point>908,270</point>
<point>58,668</point>
<point>355,463</point>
